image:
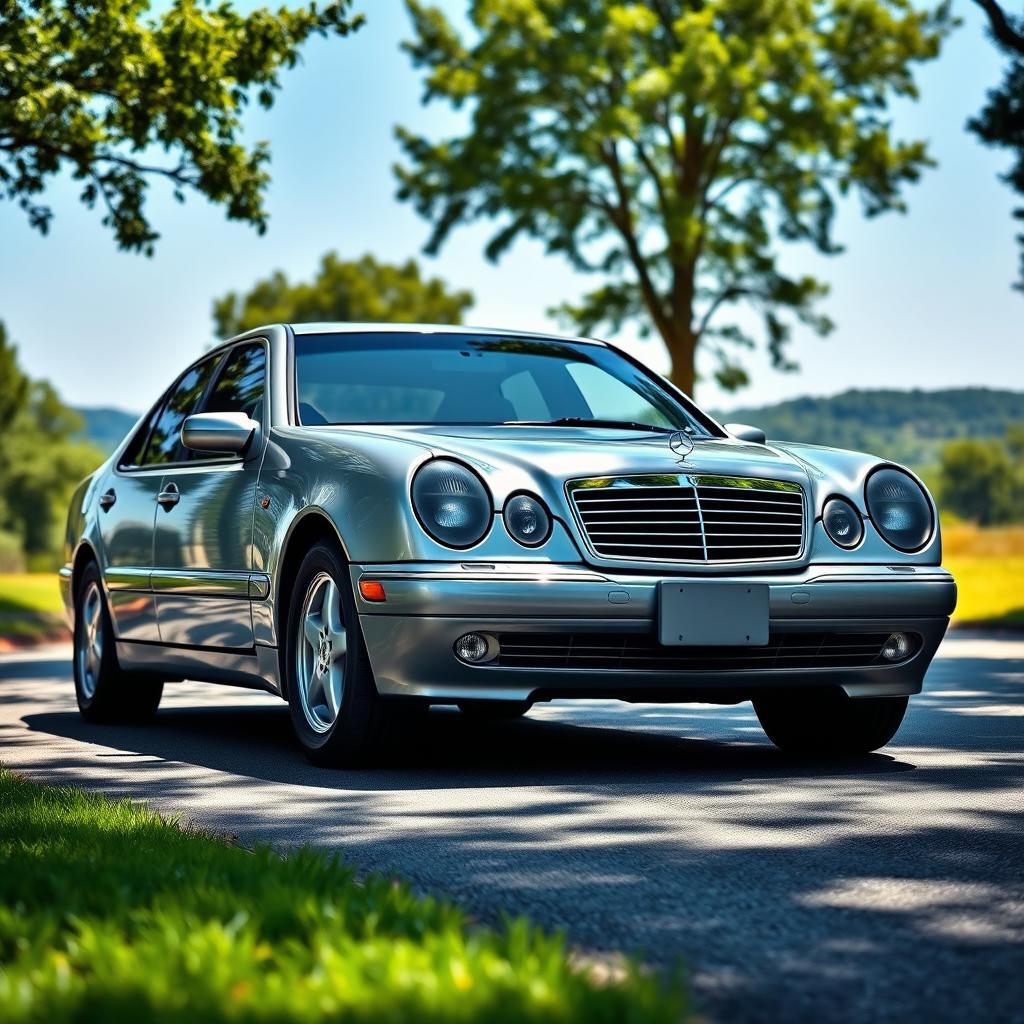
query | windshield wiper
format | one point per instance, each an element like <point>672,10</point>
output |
<point>581,421</point>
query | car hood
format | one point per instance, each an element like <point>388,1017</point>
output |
<point>568,452</point>
<point>514,457</point>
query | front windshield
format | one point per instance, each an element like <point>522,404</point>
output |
<point>456,379</point>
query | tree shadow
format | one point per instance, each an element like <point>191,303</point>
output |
<point>884,887</point>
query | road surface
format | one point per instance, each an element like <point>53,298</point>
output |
<point>888,887</point>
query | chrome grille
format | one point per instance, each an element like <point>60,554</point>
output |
<point>702,519</point>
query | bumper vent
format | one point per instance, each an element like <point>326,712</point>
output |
<point>637,651</point>
<point>703,519</point>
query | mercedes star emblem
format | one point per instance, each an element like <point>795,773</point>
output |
<point>681,444</point>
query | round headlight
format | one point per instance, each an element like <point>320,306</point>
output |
<point>527,520</point>
<point>899,508</point>
<point>842,523</point>
<point>452,503</point>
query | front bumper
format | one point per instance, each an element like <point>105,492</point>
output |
<point>410,636</point>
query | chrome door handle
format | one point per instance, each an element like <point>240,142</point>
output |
<point>107,500</point>
<point>169,497</point>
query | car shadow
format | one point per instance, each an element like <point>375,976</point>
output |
<point>445,749</point>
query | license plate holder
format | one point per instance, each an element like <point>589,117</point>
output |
<point>709,613</point>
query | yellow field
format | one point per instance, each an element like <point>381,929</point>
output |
<point>988,565</point>
<point>989,568</point>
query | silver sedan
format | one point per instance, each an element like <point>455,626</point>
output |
<point>369,519</point>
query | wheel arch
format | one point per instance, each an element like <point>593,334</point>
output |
<point>310,526</point>
<point>85,554</point>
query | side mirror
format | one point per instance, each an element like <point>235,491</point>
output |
<point>746,433</point>
<point>226,432</point>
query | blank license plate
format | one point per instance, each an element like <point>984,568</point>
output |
<point>707,613</point>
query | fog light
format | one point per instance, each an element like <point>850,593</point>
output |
<point>472,648</point>
<point>896,648</point>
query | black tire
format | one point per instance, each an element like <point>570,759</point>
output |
<point>495,710</point>
<point>357,730</point>
<point>822,724</point>
<point>105,692</point>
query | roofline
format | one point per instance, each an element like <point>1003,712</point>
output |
<point>342,327</point>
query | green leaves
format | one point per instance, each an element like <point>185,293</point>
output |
<point>1001,121</point>
<point>363,290</point>
<point>669,145</point>
<point>119,99</point>
<point>41,462</point>
<point>107,912</point>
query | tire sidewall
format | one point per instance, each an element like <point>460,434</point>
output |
<point>359,690</point>
<point>98,698</point>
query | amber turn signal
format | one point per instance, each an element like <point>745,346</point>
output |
<point>372,590</point>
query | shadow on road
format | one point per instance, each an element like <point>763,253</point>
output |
<point>885,887</point>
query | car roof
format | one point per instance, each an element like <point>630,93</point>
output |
<point>343,327</point>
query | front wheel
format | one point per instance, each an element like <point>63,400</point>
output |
<point>829,723</point>
<point>105,692</point>
<point>336,712</point>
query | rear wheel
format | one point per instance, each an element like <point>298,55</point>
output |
<point>338,716</point>
<point>105,692</point>
<point>495,710</point>
<point>829,723</point>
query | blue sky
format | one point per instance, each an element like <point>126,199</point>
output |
<point>920,300</point>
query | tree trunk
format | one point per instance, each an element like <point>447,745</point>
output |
<point>682,349</point>
<point>678,334</point>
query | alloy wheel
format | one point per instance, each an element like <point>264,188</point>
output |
<point>90,640</point>
<point>320,653</point>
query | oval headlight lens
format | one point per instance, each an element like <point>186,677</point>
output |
<point>452,503</point>
<point>899,508</point>
<point>842,523</point>
<point>527,520</point>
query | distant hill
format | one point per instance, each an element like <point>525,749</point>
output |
<point>906,426</point>
<point>106,427</point>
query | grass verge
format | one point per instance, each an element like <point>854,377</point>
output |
<point>108,912</point>
<point>30,606</point>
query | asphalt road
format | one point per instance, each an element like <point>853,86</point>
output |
<point>888,887</point>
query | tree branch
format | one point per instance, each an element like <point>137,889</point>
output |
<point>624,223</point>
<point>1001,27</point>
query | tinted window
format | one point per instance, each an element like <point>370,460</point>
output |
<point>464,378</point>
<point>239,386</point>
<point>133,453</point>
<point>165,440</point>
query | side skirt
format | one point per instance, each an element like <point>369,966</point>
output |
<point>254,669</point>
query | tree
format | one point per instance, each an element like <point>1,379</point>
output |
<point>95,87</point>
<point>41,462</point>
<point>363,290</point>
<point>666,144</point>
<point>1001,121</point>
<point>982,480</point>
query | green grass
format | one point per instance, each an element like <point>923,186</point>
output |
<point>30,606</point>
<point>29,592</point>
<point>108,912</point>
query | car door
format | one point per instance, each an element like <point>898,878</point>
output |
<point>127,509</point>
<point>202,541</point>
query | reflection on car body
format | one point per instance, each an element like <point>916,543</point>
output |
<point>368,518</point>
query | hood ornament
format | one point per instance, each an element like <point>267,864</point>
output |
<point>681,444</point>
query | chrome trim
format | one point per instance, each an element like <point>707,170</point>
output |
<point>510,591</point>
<point>694,482</point>
<point>199,583</point>
<point>127,578</point>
